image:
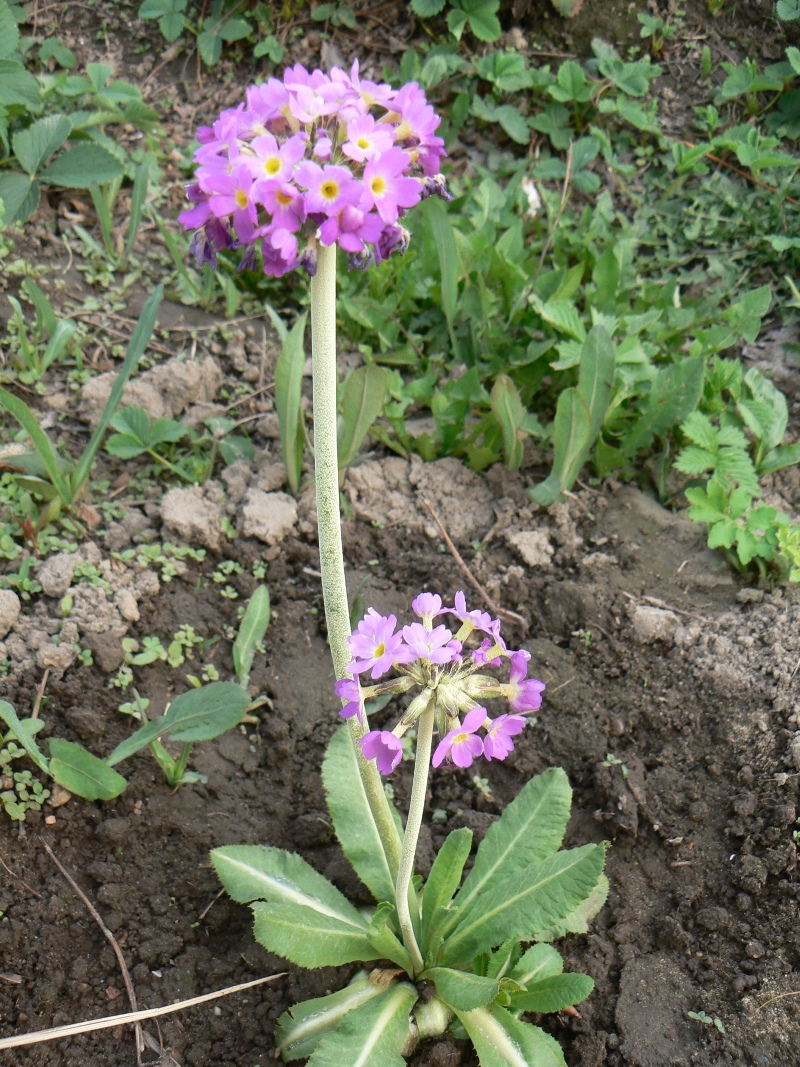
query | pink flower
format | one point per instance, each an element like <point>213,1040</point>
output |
<point>367,138</point>
<point>435,646</point>
<point>275,161</point>
<point>384,748</point>
<point>461,746</point>
<point>284,202</point>
<point>375,646</point>
<point>385,188</point>
<point>497,744</point>
<point>329,188</point>
<point>427,606</point>
<point>524,694</point>
<point>231,196</point>
<point>349,690</point>
<point>351,228</point>
<point>479,620</point>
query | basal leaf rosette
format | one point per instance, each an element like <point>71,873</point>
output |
<point>428,656</point>
<point>314,159</point>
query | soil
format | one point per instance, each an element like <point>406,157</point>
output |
<point>672,703</point>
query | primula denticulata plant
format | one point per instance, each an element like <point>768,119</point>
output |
<point>302,165</point>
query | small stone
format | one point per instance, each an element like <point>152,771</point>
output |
<point>195,519</point>
<point>534,547</point>
<point>55,574</point>
<point>106,651</point>
<point>268,516</point>
<point>653,624</point>
<point>9,610</point>
<point>147,583</point>
<point>126,605</point>
<point>56,658</point>
<point>58,797</point>
<point>755,950</point>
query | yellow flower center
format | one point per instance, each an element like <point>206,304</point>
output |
<point>459,739</point>
<point>242,199</point>
<point>380,650</point>
<point>330,190</point>
<point>377,186</point>
<point>272,166</point>
<point>283,199</point>
<point>363,143</point>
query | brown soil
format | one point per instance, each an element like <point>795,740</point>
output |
<point>703,719</point>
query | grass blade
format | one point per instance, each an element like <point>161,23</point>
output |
<point>41,442</point>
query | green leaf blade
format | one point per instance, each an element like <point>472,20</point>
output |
<point>79,772</point>
<point>375,1033</point>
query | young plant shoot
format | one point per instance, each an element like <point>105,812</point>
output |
<point>302,165</point>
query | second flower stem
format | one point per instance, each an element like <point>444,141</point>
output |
<point>326,462</point>
<point>413,823</point>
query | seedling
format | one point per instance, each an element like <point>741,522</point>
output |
<point>38,348</point>
<point>703,1017</point>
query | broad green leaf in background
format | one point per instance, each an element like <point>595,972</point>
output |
<point>23,735</point>
<point>169,13</point>
<point>530,829</point>
<point>553,994</point>
<point>352,816</point>
<point>9,32</point>
<point>375,1033</point>
<point>501,1040</point>
<point>84,164</point>
<point>522,904</point>
<point>444,239</point>
<point>41,442</point>
<point>20,197</point>
<point>427,8</point>
<point>674,395</point>
<point>251,633</point>
<point>45,312</point>
<point>596,377</point>
<point>385,941</point>
<point>445,876</point>
<point>288,383</point>
<point>81,773</point>
<point>362,404</point>
<point>300,1029</point>
<point>570,445</point>
<point>461,990</point>
<point>17,86</point>
<point>511,416</point>
<point>34,145</point>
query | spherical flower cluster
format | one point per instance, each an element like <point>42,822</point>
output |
<point>314,157</point>
<point>428,655</point>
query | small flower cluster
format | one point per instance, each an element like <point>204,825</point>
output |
<point>314,157</point>
<point>428,655</point>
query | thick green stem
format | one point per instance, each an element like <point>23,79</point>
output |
<point>326,459</point>
<point>422,762</point>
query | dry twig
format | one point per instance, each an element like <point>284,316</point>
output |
<point>17,878</point>
<point>73,1029</point>
<point>512,615</point>
<point>111,940</point>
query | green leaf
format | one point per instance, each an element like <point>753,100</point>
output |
<point>577,922</point>
<point>461,990</point>
<point>776,413</point>
<point>362,404</point>
<point>198,715</point>
<point>530,829</point>
<point>136,347</point>
<point>778,458</point>
<point>16,193</point>
<point>570,447</point>
<point>596,377</point>
<point>520,905</point>
<point>300,1029</point>
<point>9,32</point>
<point>81,773</point>
<point>553,994</point>
<point>674,395</point>
<point>305,918</point>
<point>456,21</point>
<point>445,877</point>
<point>45,313</point>
<point>375,1033</point>
<point>352,817</point>
<point>427,8</point>
<point>792,53</point>
<point>234,29</point>
<point>84,164</point>
<point>288,383</point>
<point>501,1040</point>
<point>209,45</point>
<point>251,633</point>
<point>538,963</point>
<point>562,314</point>
<point>513,123</point>
<point>788,10</point>
<point>309,936</point>
<point>511,416</point>
<point>385,941</point>
<point>482,18</point>
<point>40,140</point>
<point>41,442</point>
<point>23,735</point>
<point>444,239</point>
<point>17,86</point>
